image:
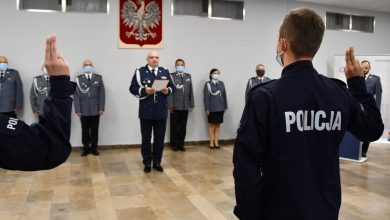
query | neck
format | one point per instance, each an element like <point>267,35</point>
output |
<point>289,58</point>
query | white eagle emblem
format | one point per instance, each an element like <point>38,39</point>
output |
<point>141,19</point>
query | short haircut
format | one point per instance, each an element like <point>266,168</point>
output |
<point>366,61</point>
<point>178,60</point>
<point>304,29</point>
<point>212,71</point>
<point>260,65</point>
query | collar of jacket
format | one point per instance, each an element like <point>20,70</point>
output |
<point>301,67</point>
<point>150,68</point>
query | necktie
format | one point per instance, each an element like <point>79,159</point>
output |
<point>2,75</point>
<point>153,71</point>
<point>89,77</point>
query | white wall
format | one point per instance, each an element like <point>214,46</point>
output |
<point>235,47</point>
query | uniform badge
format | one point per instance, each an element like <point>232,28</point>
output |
<point>149,81</point>
<point>163,77</point>
<point>187,80</point>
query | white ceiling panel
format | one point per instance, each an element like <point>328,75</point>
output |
<point>373,5</point>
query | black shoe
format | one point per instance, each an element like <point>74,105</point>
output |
<point>147,169</point>
<point>364,154</point>
<point>85,152</point>
<point>182,148</point>
<point>158,167</point>
<point>95,152</point>
<point>175,148</point>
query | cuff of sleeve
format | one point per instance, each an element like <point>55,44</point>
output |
<point>61,87</point>
<point>357,85</point>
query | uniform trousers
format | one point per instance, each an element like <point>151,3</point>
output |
<point>90,131</point>
<point>154,154</point>
<point>365,146</point>
<point>178,129</point>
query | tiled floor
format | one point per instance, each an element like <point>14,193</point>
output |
<point>196,184</point>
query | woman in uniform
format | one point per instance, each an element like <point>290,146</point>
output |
<point>215,103</point>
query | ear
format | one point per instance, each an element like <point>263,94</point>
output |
<point>283,44</point>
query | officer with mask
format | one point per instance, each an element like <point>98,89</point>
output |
<point>256,80</point>
<point>89,102</point>
<point>11,89</point>
<point>42,145</point>
<point>286,154</point>
<point>179,104</point>
<point>39,91</point>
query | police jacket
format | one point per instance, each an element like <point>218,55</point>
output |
<point>214,96</point>
<point>39,92</point>
<point>286,155</point>
<point>374,87</point>
<point>89,97</point>
<point>42,145</point>
<point>254,81</point>
<point>183,98</point>
<point>151,107</point>
<point>11,91</point>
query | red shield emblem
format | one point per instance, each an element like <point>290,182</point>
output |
<point>140,23</point>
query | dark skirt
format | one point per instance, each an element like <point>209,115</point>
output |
<point>215,117</point>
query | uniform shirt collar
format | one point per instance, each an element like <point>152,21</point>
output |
<point>155,69</point>
<point>366,76</point>
<point>88,75</point>
<point>301,66</point>
<point>214,81</point>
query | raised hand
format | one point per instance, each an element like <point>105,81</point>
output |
<point>55,63</point>
<point>352,68</point>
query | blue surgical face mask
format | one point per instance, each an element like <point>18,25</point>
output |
<point>278,56</point>
<point>215,76</point>
<point>88,69</point>
<point>180,69</point>
<point>44,71</point>
<point>3,66</point>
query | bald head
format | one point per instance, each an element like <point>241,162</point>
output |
<point>3,59</point>
<point>153,59</point>
<point>87,63</point>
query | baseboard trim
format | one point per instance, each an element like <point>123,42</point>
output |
<point>192,143</point>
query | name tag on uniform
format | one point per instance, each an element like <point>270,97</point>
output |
<point>187,80</point>
<point>163,77</point>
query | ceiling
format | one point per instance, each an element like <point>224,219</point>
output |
<point>373,5</point>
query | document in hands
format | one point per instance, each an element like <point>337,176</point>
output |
<point>159,84</point>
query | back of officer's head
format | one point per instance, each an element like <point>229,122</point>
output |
<point>303,29</point>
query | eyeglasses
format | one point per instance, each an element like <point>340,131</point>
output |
<point>153,57</point>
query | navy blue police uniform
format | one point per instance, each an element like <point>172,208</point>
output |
<point>42,145</point>
<point>286,155</point>
<point>153,111</point>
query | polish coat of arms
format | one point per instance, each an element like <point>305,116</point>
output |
<point>140,22</point>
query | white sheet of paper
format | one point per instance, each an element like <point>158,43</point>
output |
<point>159,84</point>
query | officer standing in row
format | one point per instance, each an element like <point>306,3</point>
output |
<point>89,102</point>
<point>256,80</point>
<point>11,89</point>
<point>179,104</point>
<point>43,145</point>
<point>40,89</point>
<point>286,154</point>
<point>153,111</point>
<point>374,87</point>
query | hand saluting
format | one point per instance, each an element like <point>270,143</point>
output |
<point>352,68</point>
<point>55,63</point>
